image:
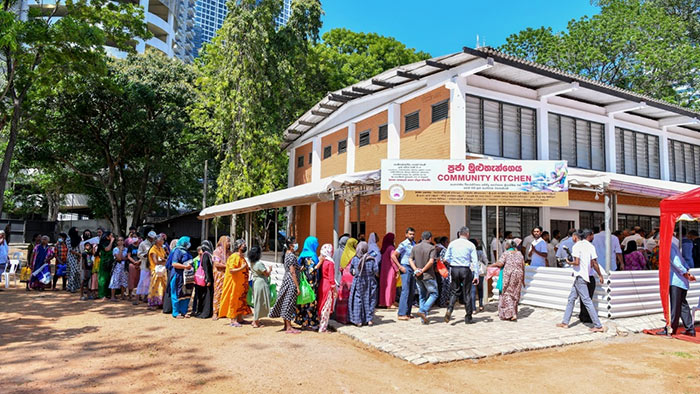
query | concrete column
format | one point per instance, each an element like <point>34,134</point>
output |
<point>545,218</point>
<point>350,154</point>
<point>312,220</point>
<point>394,131</point>
<point>290,167</point>
<point>543,130</point>
<point>316,162</point>
<point>391,219</point>
<point>458,118</point>
<point>457,217</point>
<point>663,155</point>
<point>610,149</point>
<point>346,219</point>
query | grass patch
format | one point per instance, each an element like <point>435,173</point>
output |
<point>685,355</point>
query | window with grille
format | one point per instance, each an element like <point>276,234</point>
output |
<point>501,129</point>
<point>590,219</point>
<point>580,142</point>
<point>327,152</point>
<point>364,138</point>
<point>300,161</point>
<point>412,121</point>
<point>637,153</point>
<point>342,146</point>
<point>518,220</point>
<point>440,110</point>
<point>684,162</point>
<point>383,132</point>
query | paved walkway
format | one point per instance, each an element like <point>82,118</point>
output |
<point>439,342</point>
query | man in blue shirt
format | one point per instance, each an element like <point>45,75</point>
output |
<point>464,271</point>
<point>401,257</point>
<point>680,282</point>
<point>687,248</point>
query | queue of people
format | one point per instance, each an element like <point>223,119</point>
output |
<point>347,282</point>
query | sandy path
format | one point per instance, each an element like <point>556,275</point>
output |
<point>52,341</point>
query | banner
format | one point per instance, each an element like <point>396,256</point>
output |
<point>534,183</point>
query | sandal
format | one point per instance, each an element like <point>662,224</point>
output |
<point>293,331</point>
<point>235,324</point>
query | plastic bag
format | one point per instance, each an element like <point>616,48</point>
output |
<point>499,284</point>
<point>273,294</point>
<point>25,274</point>
<point>306,292</point>
<point>442,269</point>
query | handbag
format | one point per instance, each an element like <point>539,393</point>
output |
<point>200,278</point>
<point>442,269</point>
<point>306,292</point>
<point>499,284</point>
<point>188,277</point>
<point>24,274</point>
<point>60,270</point>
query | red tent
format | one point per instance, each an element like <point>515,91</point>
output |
<point>673,208</point>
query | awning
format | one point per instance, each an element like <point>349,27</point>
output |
<point>308,193</point>
<point>605,181</point>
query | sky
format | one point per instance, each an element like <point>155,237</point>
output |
<point>440,27</point>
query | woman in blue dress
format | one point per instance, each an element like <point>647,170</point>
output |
<point>363,293</point>
<point>178,262</point>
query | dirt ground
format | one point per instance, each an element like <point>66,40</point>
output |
<point>52,341</point>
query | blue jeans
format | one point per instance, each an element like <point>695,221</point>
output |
<point>478,292</point>
<point>427,293</point>
<point>408,291</point>
<point>179,306</point>
<point>580,289</point>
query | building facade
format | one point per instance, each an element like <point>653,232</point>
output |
<point>482,104</point>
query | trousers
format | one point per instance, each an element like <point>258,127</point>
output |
<point>680,310</point>
<point>461,278</point>
<point>583,314</point>
<point>580,290</point>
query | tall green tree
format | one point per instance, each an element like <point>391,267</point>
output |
<point>128,136</point>
<point>255,80</point>
<point>632,44</point>
<point>346,57</point>
<point>41,48</point>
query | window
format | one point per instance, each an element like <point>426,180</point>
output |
<point>589,220</point>
<point>355,232</point>
<point>342,146</point>
<point>637,153</point>
<point>327,151</point>
<point>440,110</point>
<point>383,132</point>
<point>684,162</point>
<point>311,156</point>
<point>500,129</point>
<point>412,121</point>
<point>300,161</point>
<point>519,220</point>
<point>580,142</point>
<point>364,138</point>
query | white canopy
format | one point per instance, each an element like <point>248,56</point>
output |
<point>629,184</point>
<point>308,193</point>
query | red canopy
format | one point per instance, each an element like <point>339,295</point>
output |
<point>673,208</point>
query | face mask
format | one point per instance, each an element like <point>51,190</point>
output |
<point>296,247</point>
<point>60,240</point>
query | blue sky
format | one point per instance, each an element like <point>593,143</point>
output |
<point>441,26</point>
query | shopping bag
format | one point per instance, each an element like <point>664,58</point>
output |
<point>25,274</point>
<point>249,296</point>
<point>60,270</point>
<point>442,270</point>
<point>499,284</point>
<point>306,292</point>
<point>273,294</point>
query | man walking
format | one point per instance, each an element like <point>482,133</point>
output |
<point>464,270</point>
<point>584,257</point>
<point>680,282</point>
<point>401,257</point>
<point>423,257</point>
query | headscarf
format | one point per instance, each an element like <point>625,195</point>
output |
<point>373,247</point>
<point>309,251</point>
<point>207,246</point>
<point>327,251</point>
<point>362,250</point>
<point>173,244</point>
<point>183,243</point>
<point>74,237</point>
<point>387,242</point>
<point>348,253</point>
<point>338,253</point>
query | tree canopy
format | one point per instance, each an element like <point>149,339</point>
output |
<point>632,44</point>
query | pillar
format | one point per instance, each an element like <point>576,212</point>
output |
<point>458,118</point>
<point>457,217</point>
<point>610,148</point>
<point>394,131</point>
<point>312,220</point>
<point>350,154</point>
<point>316,161</point>
<point>346,219</point>
<point>543,130</point>
<point>663,155</point>
<point>391,219</point>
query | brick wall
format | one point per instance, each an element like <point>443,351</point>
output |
<point>337,163</point>
<point>422,218</point>
<point>369,157</point>
<point>302,214</point>
<point>302,174</point>
<point>324,221</point>
<point>372,213</point>
<point>430,140</point>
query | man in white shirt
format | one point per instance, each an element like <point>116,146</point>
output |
<point>527,241</point>
<point>636,236</point>
<point>538,249</point>
<point>496,246</point>
<point>584,257</point>
<point>599,243</point>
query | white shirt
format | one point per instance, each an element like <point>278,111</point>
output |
<point>650,244</point>
<point>496,246</point>
<point>585,251</point>
<point>527,241</point>
<point>599,244</point>
<point>634,237</point>
<point>541,246</point>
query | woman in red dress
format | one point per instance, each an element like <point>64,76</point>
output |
<point>328,289</point>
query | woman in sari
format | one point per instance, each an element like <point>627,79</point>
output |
<point>233,296</point>
<point>220,257</point>
<point>106,262</point>
<point>307,314</point>
<point>285,306</point>
<point>156,259</point>
<point>261,286</point>
<point>513,266</point>
<point>74,269</point>
<point>388,271</point>
<point>328,289</point>
<point>120,279</point>
<point>203,294</point>
<point>178,262</point>
<point>41,258</point>
<point>167,300</point>
<point>363,294</point>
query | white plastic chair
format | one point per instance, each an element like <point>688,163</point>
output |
<point>12,272</point>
